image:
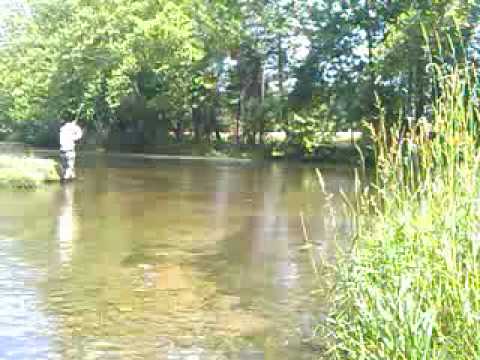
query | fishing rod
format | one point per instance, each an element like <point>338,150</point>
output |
<point>79,111</point>
<point>84,128</point>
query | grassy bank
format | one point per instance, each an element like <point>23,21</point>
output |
<point>409,288</point>
<point>26,172</point>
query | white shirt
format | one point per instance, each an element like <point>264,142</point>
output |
<point>69,133</point>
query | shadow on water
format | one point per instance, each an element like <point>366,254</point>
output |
<point>165,260</point>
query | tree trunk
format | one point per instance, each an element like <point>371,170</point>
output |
<point>241,96</point>
<point>207,122</point>
<point>261,129</point>
<point>281,78</point>
<point>216,105</point>
<point>237,120</point>
<point>216,127</point>
<point>371,74</point>
<point>196,124</point>
<point>421,97</point>
<point>409,109</point>
<point>179,131</point>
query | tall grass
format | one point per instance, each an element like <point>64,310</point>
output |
<point>410,286</point>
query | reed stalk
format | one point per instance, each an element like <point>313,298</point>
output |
<point>409,288</point>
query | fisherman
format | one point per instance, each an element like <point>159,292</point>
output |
<point>70,132</point>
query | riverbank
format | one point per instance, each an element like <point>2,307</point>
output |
<point>20,171</point>
<point>341,152</point>
<point>335,153</point>
<point>409,288</point>
<point>342,147</point>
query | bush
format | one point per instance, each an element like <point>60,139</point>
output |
<point>308,133</point>
<point>38,133</point>
<point>5,131</point>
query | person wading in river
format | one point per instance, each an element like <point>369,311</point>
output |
<point>70,132</point>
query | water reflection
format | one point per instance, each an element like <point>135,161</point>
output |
<point>67,226</point>
<point>172,260</point>
<point>21,318</point>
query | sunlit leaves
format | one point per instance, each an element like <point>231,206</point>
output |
<point>59,56</point>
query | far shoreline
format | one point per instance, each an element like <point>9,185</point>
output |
<point>336,153</point>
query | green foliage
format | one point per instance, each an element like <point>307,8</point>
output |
<point>73,52</point>
<point>308,132</point>
<point>37,133</point>
<point>409,289</point>
<point>157,65</point>
<point>26,172</point>
<point>365,49</point>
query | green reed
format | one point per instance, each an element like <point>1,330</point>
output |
<point>409,288</point>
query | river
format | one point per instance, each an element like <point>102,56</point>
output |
<point>168,259</point>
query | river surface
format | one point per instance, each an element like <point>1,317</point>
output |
<point>168,259</point>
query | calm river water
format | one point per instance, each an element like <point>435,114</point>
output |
<point>166,259</point>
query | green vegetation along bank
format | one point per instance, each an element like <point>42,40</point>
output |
<point>150,72</point>
<point>409,288</point>
<point>26,172</point>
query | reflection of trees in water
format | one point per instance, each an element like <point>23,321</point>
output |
<point>264,262</point>
<point>207,265</point>
<point>145,296</point>
<point>34,251</point>
<point>258,262</point>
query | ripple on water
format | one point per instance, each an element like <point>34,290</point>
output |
<point>198,268</point>
<point>22,324</point>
